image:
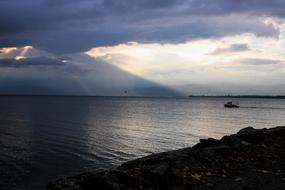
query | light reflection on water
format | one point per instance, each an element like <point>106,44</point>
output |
<point>44,138</point>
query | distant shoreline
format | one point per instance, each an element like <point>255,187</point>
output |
<point>166,97</point>
<point>243,96</point>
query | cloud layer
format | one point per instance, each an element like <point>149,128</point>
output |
<point>66,26</point>
<point>233,48</point>
<point>27,62</point>
<point>138,44</point>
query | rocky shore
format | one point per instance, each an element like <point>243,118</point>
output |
<point>250,159</point>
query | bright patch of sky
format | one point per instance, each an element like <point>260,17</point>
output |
<point>240,58</point>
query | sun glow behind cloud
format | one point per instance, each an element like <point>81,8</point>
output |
<point>23,53</point>
<point>232,59</point>
<point>7,50</point>
<point>197,62</point>
<point>143,59</point>
<point>15,52</point>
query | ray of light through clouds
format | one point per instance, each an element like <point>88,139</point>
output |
<point>226,59</point>
<point>95,46</point>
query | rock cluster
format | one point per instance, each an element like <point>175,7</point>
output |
<point>250,159</point>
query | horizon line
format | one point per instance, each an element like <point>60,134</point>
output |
<point>122,96</point>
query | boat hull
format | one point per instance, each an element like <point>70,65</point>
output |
<point>231,106</point>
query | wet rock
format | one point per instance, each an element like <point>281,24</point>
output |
<point>275,132</point>
<point>204,143</point>
<point>251,135</point>
<point>238,179</point>
<point>160,169</point>
<point>247,131</point>
<point>262,171</point>
<point>210,185</point>
<point>219,149</point>
<point>234,142</point>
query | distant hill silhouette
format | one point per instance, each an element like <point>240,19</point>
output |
<point>93,77</point>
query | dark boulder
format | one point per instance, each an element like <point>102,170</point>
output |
<point>251,135</point>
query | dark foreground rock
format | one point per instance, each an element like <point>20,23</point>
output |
<point>250,159</point>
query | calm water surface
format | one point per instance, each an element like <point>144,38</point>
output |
<point>45,138</point>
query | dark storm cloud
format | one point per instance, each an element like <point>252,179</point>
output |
<point>234,48</point>
<point>66,26</point>
<point>140,4</point>
<point>261,7</point>
<point>62,2</point>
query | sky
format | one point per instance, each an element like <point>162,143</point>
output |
<point>142,47</point>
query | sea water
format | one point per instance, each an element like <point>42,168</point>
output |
<point>43,138</point>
